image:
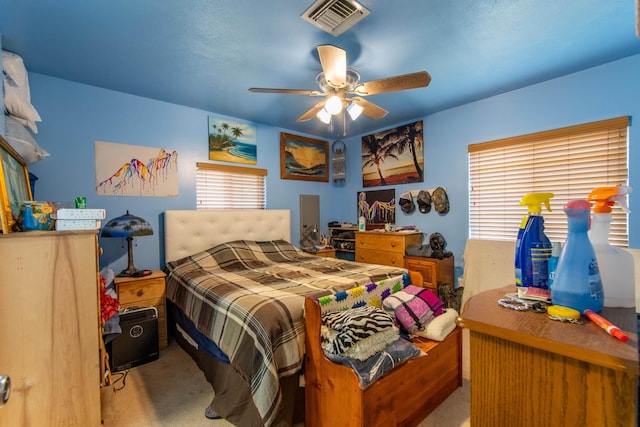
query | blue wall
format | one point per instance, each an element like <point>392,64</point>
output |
<point>75,115</point>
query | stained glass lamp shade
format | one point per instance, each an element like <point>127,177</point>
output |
<point>127,226</point>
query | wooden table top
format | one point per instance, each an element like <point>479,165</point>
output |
<point>587,342</point>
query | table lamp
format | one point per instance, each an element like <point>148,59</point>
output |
<point>310,235</point>
<point>127,226</point>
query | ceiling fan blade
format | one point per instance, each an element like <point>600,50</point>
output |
<point>369,109</point>
<point>286,91</point>
<point>392,84</point>
<point>311,113</point>
<point>334,65</point>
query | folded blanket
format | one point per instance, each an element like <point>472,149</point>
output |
<point>440,326</point>
<point>358,332</point>
<point>394,354</point>
<point>413,307</point>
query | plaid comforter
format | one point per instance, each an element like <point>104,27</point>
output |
<point>248,298</point>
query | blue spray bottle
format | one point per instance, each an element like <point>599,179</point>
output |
<point>533,247</point>
<point>577,283</point>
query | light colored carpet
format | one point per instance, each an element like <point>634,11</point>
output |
<point>172,391</point>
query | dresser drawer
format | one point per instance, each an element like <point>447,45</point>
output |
<point>371,256</point>
<point>387,241</point>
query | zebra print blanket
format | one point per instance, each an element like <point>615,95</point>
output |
<point>358,333</point>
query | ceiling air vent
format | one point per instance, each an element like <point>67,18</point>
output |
<point>335,16</point>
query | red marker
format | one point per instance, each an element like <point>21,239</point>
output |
<point>611,329</point>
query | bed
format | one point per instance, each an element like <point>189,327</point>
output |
<point>251,350</point>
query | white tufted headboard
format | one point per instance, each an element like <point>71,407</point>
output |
<point>187,232</point>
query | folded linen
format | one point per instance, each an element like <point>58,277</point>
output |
<point>413,307</point>
<point>358,332</point>
<point>440,326</point>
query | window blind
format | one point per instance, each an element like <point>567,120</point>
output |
<point>230,187</point>
<point>569,162</point>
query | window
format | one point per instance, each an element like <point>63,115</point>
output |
<point>569,162</point>
<point>230,187</point>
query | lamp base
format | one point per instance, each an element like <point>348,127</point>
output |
<point>128,272</point>
<point>131,269</point>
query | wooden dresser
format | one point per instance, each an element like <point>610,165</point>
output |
<point>147,291</point>
<point>434,271</point>
<point>49,328</point>
<point>528,370</point>
<point>385,248</point>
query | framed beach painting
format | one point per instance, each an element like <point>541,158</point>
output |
<point>303,158</point>
<point>231,141</point>
<point>394,156</point>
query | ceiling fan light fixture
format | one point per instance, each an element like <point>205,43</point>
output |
<point>324,116</point>
<point>354,110</point>
<point>333,105</point>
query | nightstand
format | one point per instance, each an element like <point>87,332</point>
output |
<point>147,291</point>
<point>434,271</point>
<point>324,252</point>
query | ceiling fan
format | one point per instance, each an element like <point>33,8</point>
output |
<point>342,88</point>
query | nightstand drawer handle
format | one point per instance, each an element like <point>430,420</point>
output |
<point>393,244</point>
<point>140,292</point>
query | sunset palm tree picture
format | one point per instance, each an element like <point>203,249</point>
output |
<point>394,156</point>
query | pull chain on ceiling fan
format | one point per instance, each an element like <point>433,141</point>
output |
<point>342,89</point>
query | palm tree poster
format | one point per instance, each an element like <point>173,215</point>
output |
<point>231,141</point>
<point>393,156</point>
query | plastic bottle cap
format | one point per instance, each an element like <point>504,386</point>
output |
<point>534,200</point>
<point>619,334</point>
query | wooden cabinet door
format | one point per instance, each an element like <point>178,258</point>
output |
<point>49,329</point>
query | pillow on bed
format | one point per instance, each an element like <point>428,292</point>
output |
<point>239,254</point>
<point>358,333</point>
<point>413,307</point>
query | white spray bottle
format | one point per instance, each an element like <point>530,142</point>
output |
<point>616,265</point>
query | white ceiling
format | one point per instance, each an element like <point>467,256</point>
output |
<point>207,53</point>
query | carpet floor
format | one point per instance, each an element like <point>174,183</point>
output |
<point>172,391</point>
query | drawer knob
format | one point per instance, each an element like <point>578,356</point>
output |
<point>140,292</point>
<point>393,261</point>
<point>393,244</point>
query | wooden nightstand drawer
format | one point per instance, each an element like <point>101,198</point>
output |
<point>135,292</point>
<point>147,291</point>
<point>434,271</point>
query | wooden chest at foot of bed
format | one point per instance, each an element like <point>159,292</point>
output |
<point>402,397</point>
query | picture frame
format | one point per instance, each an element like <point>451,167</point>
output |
<point>393,156</point>
<point>303,158</point>
<point>14,185</point>
<point>378,207</point>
